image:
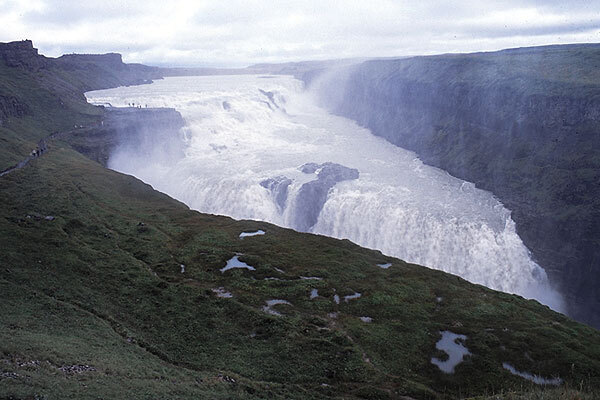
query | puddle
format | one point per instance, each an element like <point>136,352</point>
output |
<point>356,295</point>
<point>248,234</point>
<point>235,262</point>
<point>271,278</point>
<point>439,299</point>
<point>279,270</point>
<point>316,278</point>
<point>314,293</point>
<point>182,268</point>
<point>221,292</point>
<point>384,266</point>
<point>366,319</point>
<point>456,351</point>
<point>271,303</point>
<point>336,298</point>
<point>533,378</point>
<point>332,315</point>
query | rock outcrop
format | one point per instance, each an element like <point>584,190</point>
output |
<point>23,55</point>
<point>278,187</point>
<point>312,195</point>
<point>143,129</point>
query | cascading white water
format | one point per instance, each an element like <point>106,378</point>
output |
<point>243,130</point>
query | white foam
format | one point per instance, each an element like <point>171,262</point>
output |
<point>235,262</point>
<point>249,234</point>
<point>384,266</point>
<point>455,350</point>
<point>533,378</point>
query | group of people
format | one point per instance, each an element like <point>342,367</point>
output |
<point>136,106</point>
<point>39,150</point>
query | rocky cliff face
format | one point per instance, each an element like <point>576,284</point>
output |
<point>22,55</point>
<point>88,71</point>
<point>142,130</point>
<point>101,71</point>
<point>523,124</point>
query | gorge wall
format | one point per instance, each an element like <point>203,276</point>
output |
<point>522,123</point>
<point>142,131</point>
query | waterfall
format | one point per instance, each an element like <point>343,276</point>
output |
<point>258,148</point>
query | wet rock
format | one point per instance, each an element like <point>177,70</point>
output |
<point>270,96</point>
<point>309,168</point>
<point>9,375</point>
<point>77,369</point>
<point>225,378</point>
<point>313,195</point>
<point>278,187</point>
<point>28,364</point>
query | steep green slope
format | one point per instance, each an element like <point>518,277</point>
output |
<point>101,285</point>
<point>96,303</point>
<point>522,123</point>
<point>45,110</point>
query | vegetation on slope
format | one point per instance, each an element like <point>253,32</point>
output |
<point>96,303</point>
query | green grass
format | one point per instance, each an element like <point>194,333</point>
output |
<point>96,282</point>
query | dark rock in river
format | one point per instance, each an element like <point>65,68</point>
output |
<point>278,187</point>
<point>313,195</point>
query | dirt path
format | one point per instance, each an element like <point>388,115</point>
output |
<point>39,151</point>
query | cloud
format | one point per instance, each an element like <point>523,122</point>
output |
<point>236,32</point>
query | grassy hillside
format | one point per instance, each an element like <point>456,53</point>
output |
<point>96,303</point>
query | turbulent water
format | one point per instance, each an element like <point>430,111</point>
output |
<point>246,138</point>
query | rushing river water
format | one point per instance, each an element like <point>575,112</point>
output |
<point>246,139</point>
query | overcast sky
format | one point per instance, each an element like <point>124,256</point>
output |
<point>242,32</point>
